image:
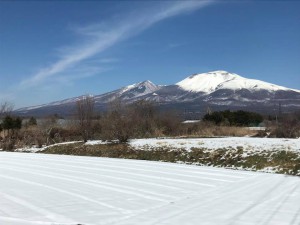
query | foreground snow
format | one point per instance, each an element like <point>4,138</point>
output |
<point>39,189</point>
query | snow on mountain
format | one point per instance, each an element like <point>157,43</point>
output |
<point>217,88</point>
<point>217,80</point>
<point>139,89</point>
<point>125,93</point>
<point>129,92</point>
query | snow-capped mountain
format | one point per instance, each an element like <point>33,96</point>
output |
<point>217,89</point>
<point>136,90</point>
<point>129,92</point>
<point>217,80</point>
<point>67,106</point>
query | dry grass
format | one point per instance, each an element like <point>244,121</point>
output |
<point>209,130</point>
<point>285,162</point>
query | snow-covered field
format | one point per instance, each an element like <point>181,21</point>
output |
<point>40,189</point>
<point>248,143</point>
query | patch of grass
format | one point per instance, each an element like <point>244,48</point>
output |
<point>286,162</point>
<point>289,161</point>
<point>108,150</point>
<point>257,162</point>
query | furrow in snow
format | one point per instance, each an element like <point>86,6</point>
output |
<point>44,212</point>
<point>85,198</point>
<point>172,173</point>
<point>133,174</point>
<point>104,185</point>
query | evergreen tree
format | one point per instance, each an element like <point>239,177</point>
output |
<point>32,121</point>
<point>237,118</point>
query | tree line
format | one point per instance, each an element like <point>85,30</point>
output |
<point>141,119</point>
<point>234,118</point>
<point>120,122</point>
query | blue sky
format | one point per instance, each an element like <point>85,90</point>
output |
<point>52,50</point>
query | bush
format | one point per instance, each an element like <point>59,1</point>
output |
<point>8,144</point>
<point>287,126</point>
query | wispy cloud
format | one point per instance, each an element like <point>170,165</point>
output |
<point>175,45</point>
<point>102,60</point>
<point>99,37</point>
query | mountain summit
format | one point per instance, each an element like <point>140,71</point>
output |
<point>218,89</point>
<point>139,89</point>
<point>217,80</point>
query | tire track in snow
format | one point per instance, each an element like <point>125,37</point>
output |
<point>208,206</point>
<point>15,221</point>
<point>161,172</point>
<point>99,184</point>
<point>103,175</point>
<point>262,199</point>
<point>166,165</point>
<point>121,210</point>
<point>139,175</point>
<point>139,163</point>
<point>150,176</point>
<point>44,212</point>
<point>281,203</point>
<point>169,166</point>
<point>211,203</point>
<point>296,216</point>
<point>177,213</point>
<point>93,181</point>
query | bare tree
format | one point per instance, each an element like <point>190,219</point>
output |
<point>117,123</point>
<point>46,126</point>
<point>144,113</point>
<point>85,112</point>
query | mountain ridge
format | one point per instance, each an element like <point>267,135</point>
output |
<point>219,89</point>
